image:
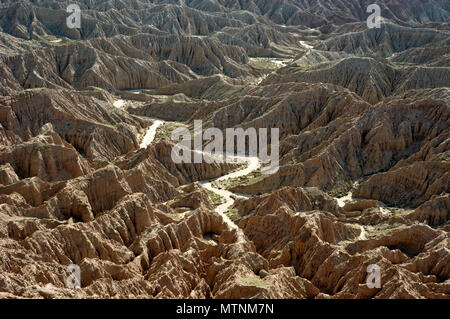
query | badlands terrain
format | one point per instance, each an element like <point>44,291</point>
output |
<point>87,178</point>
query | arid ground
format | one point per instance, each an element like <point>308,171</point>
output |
<point>87,176</point>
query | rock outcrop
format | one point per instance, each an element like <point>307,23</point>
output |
<point>333,254</point>
<point>89,122</point>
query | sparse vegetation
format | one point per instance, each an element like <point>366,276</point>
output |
<point>54,40</point>
<point>381,229</point>
<point>233,214</point>
<point>222,90</point>
<point>249,179</point>
<point>399,212</point>
<point>262,63</point>
<point>338,193</point>
<point>253,280</point>
<point>215,199</point>
<point>49,37</point>
<point>170,98</point>
<point>164,132</point>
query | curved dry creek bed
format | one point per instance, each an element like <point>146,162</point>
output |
<point>250,164</point>
<point>349,198</point>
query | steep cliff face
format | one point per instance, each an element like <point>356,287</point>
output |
<point>386,137</point>
<point>330,138</point>
<point>26,19</point>
<point>86,120</point>
<point>143,61</point>
<point>46,156</point>
<point>374,63</point>
<point>384,41</point>
<point>129,250</point>
<point>369,78</point>
<point>311,233</point>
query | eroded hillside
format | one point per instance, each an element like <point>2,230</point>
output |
<point>87,175</point>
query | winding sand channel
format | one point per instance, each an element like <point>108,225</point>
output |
<point>253,164</point>
<point>150,135</point>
